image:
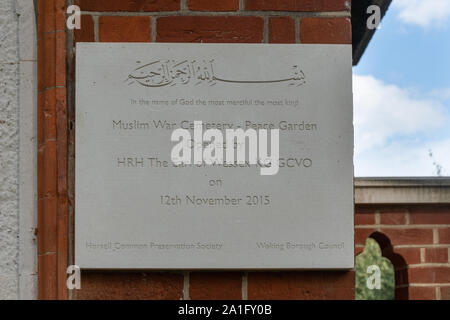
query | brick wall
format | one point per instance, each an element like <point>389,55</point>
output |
<point>419,246</point>
<point>249,21</point>
<point>245,21</point>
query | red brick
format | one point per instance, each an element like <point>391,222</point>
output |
<point>128,5</point>
<point>213,5</point>
<point>124,29</point>
<point>47,99</point>
<point>210,29</point>
<point>361,234</point>
<point>215,285</point>
<point>281,30</point>
<point>86,33</point>
<point>430,215</point>
<point>60,14</point>
<point>422,293</point>
<point>400,236</point>
<point>301,285</point>
<point>429,275</point>
<point>47,270</point>
<point>364,218</point>
<point>326,30</point>
<point>358,251</point>
<point>445,293</point>
<point>46,61</point>
<point>436,255</point>
<point>393,217</point>
<point>410,255</point>
<point>60,59</point>
<point>47,238</point>
<point>298,5</point>
<point>444,235</point>
<point>47,146</point>
<point>130,286</point>
<point>45,10</point>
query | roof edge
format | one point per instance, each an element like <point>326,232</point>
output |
<point>408,190</point>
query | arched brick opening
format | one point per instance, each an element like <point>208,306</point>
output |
<point>399,263</point>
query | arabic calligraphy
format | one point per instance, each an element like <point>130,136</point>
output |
<point>161,73</point>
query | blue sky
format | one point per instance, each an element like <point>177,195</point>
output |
<point>402,93</point>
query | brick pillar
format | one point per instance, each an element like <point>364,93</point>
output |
<point>52,231</point>
<point>225,21</point>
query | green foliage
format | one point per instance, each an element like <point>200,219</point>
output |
<point>368,263</point>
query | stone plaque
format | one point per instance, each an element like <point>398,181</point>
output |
<point>137,209</point>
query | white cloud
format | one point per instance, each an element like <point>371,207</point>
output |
<point>441,94</point>
<point>397,159</point>
<point>424,13</point>
<point>394,130</point>
<point>383,112</point>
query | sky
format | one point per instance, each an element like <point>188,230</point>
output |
<point>401,91</point>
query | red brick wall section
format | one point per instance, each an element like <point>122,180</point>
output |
<point>421,245</point>
<point>210,29</point>
<point>127,285</point>
<point>52,224</point>
<point>244,21</point>
<point>247,21</point>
